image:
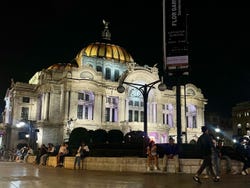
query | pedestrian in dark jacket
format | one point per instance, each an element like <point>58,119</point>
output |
<point>205,145</point>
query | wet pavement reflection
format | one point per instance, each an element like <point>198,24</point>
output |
<point>20,175</point>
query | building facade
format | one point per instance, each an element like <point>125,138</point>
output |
<point>83,93</point>
<point>241,119</point>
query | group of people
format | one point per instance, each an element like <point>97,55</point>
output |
<point>171,151</point>
<point>21,155</point>
<point>44,153</point>
<point>211,151</point>
<point>243,148</point>
<point>61,152</point>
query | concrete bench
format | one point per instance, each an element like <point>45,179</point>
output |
<point>52,161</point>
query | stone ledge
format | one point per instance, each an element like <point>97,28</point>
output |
<point>134,164</point>
<point>31,159</point>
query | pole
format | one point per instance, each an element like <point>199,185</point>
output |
<point>178,111</point>
<point>145,106</point>
<point>164,35</point>
<point>185,106</point>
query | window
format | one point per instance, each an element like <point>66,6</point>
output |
<point>80,96</point>
<point>167,115</point>
<point>26,99</point>
<point>194,122</point>
<point>130,115</point>
<point>117,75</point>
<point>130,103</point>
<point>142,116</point>
<point>86,113</point>
<point>111,109</point>
<point>108,74</point>
<point>86,97</point>
<point>136,103</point>
<point>114,101</point>
<point>79,111</point>
<point>107,114</point>
<point>136,110</point>
<point>85,105</point>
<point>108,99</point>
<point>113,115</point>
<point>98,68</point>
<point>191,116</point>
<point>25,113</point>
<point>136,118</point>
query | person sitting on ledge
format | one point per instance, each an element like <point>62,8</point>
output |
<point>82,152</point>
<point>152,155</point>
<point>63,151</point>
<point>171,152</point>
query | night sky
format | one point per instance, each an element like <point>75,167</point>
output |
<point>37,34</point>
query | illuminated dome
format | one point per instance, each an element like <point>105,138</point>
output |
<point>105,50</point>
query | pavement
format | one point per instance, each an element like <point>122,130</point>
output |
<point>21,175</point>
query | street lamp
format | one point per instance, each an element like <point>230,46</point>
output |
<point>144,90</point>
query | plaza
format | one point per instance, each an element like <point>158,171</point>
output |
<point>21,175</point>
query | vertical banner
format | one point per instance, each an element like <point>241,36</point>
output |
<point>176,34</point>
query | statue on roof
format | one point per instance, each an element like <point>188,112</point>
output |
<point>106,24</point>
<point>105,33</point>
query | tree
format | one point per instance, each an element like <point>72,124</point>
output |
<point>115,136</point>
<point>99,136</point>
<point>77,136</point>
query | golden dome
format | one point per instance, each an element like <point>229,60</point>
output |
<point>107,51</point>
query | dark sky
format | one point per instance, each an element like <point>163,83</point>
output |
<point>37,34</point>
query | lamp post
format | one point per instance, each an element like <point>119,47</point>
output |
<point>144,90</point>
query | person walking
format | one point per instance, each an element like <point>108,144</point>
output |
<point>205,148</point>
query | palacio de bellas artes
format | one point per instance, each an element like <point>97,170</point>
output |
<point>83,93</point>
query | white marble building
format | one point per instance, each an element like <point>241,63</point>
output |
<point>83,93</point>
